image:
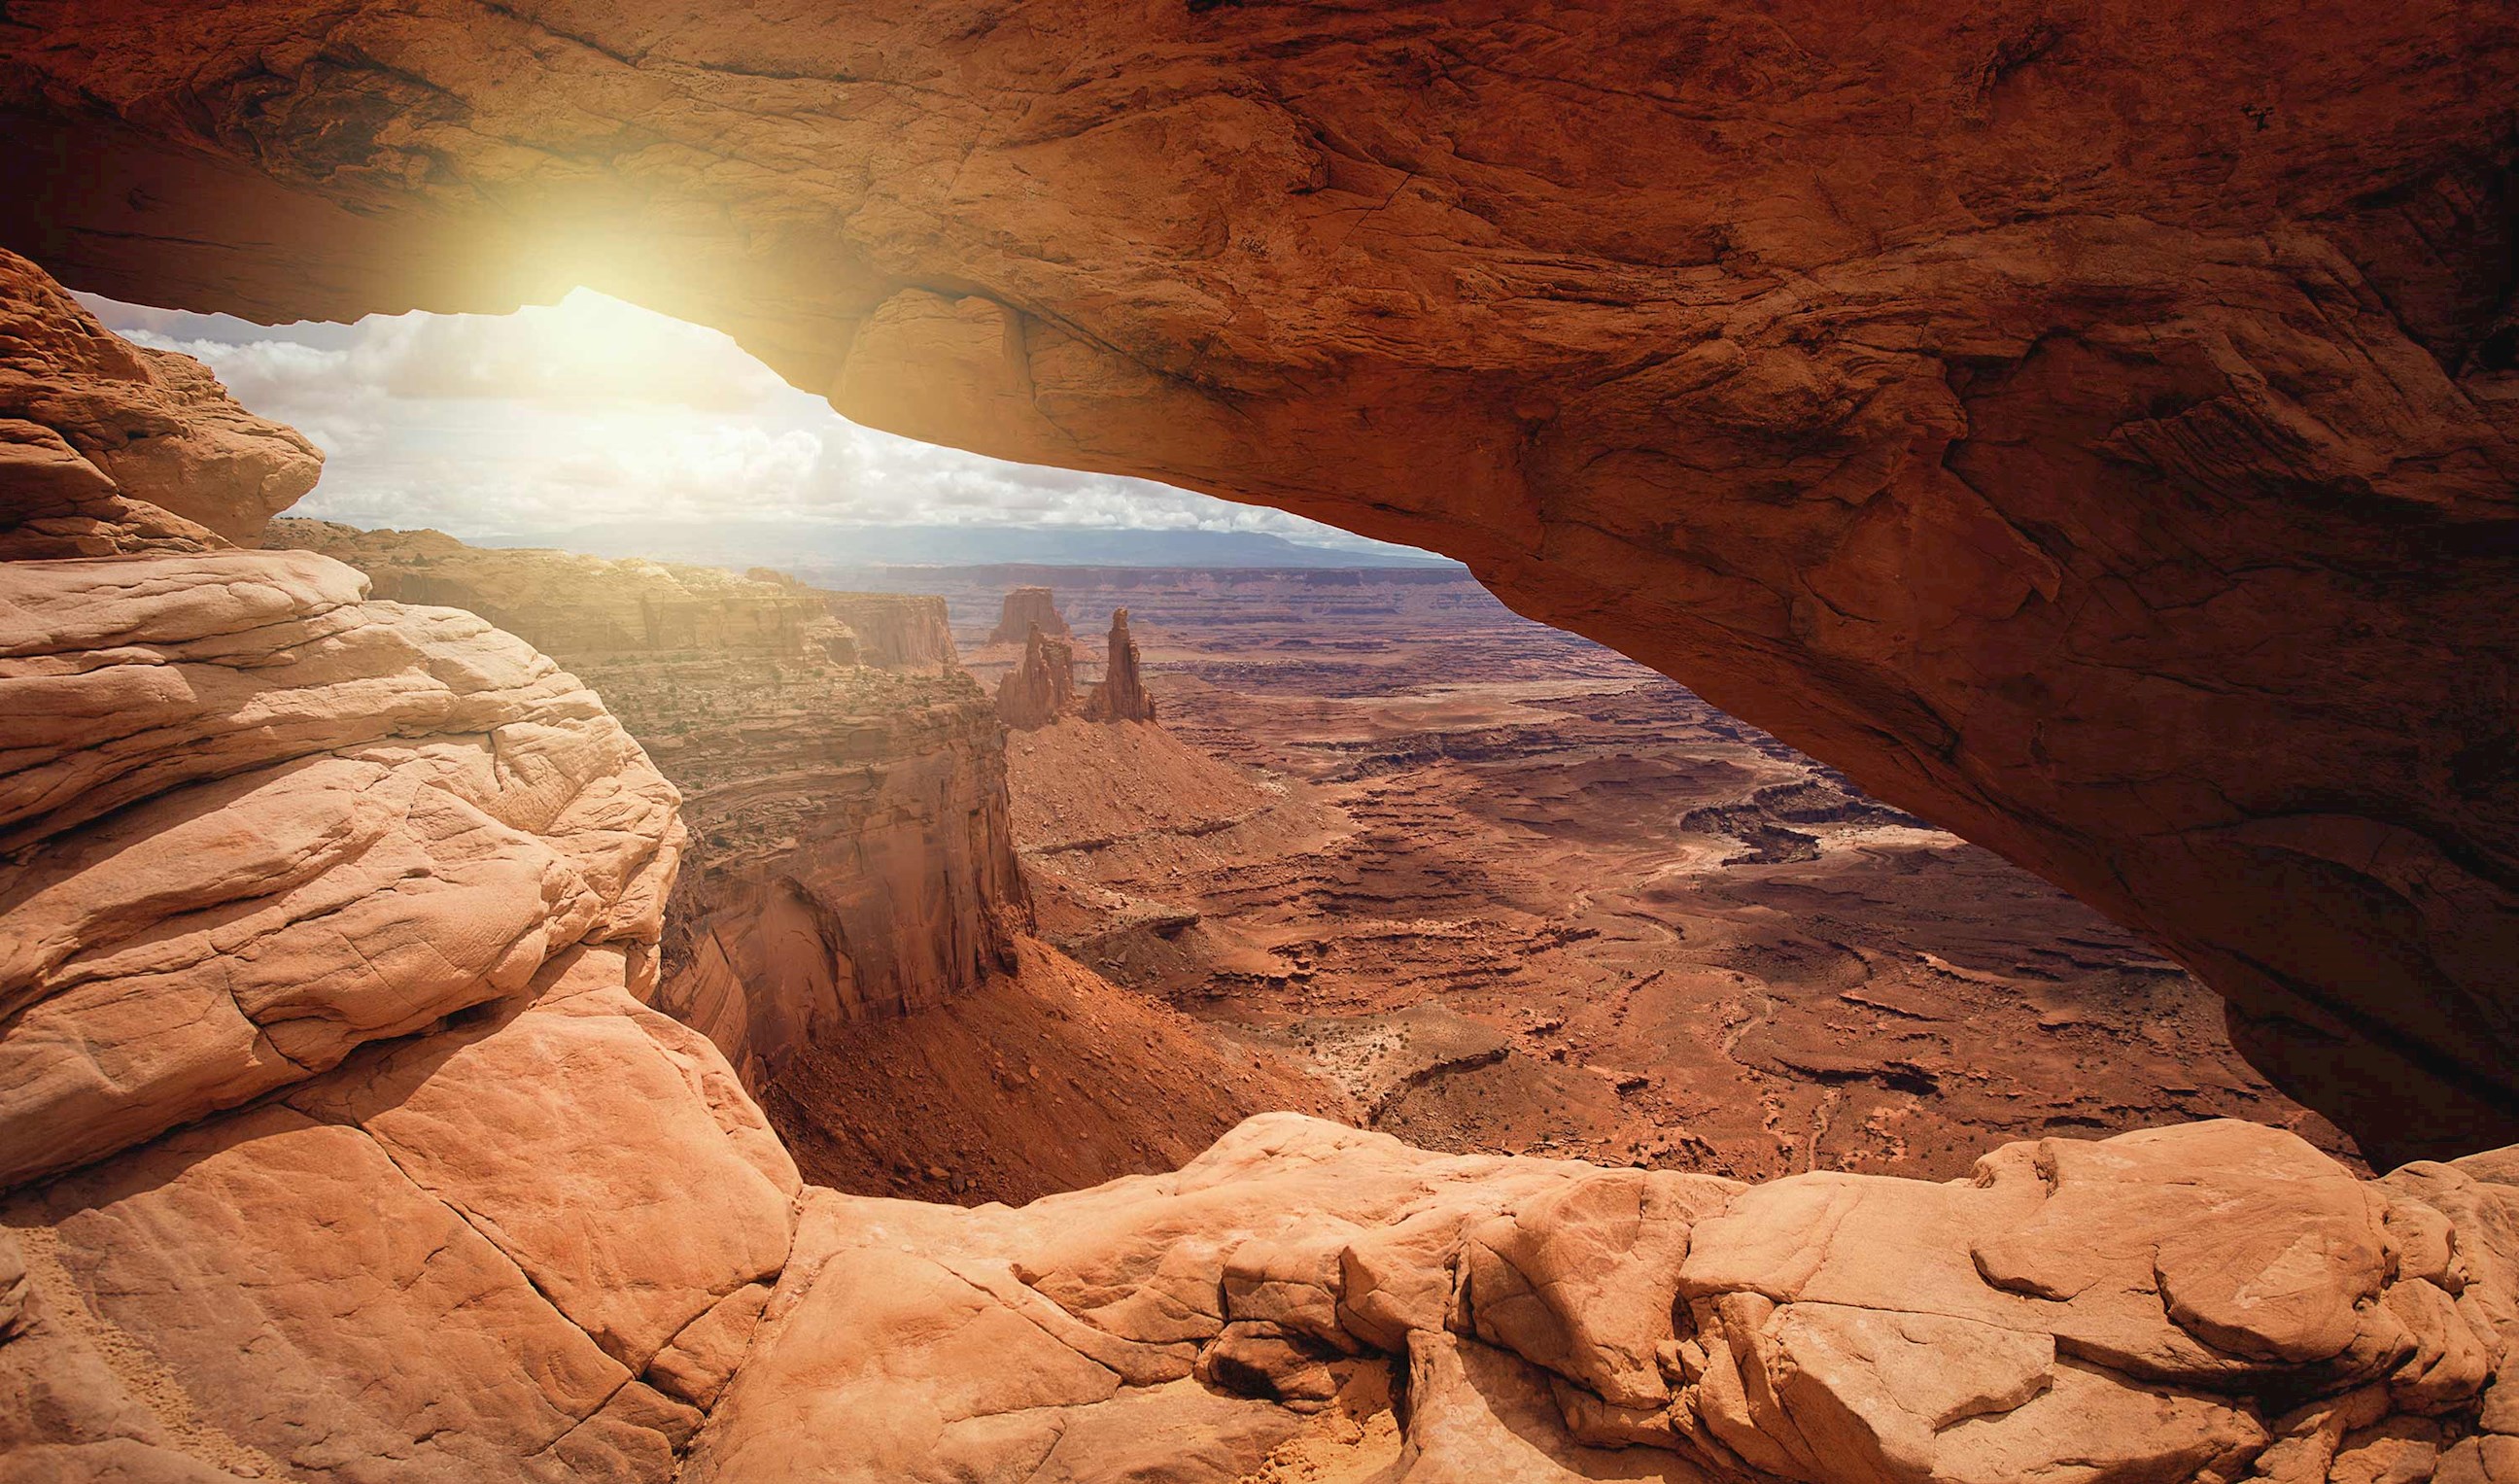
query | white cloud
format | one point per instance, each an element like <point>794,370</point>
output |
<point>594,410</point>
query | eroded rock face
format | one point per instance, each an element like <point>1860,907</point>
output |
<point>256,819</point>
<point>531,1246</point>
<point>107,447</point>
<point>2091,428</point>
<point>897,630</point>
<point>852,854</point>
<point>579,607</point>
<point>1025,609</point>
<point>2211,1302</point>
<point>1120,694</point>
<point>1043,688</point>
<point>335,1139</point>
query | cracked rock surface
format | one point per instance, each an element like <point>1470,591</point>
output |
<point>2216,1301</point>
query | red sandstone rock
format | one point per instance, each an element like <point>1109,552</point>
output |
<point>850,854</point>
<point>1563,1322</point>
<point>2090,429</point>
<point>94,430</point>
<point>1040,689</point>
<point>896,629</point>
<point>1026,609</point>
<point>1120,694</point>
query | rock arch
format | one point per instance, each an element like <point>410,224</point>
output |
<point>2081,422</point>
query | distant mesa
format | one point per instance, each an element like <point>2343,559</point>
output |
<point>1028,609</point>
<point>895,631</point>
<point>1043,688</point>
<point>1122,695</point>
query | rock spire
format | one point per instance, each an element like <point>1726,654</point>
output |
<point>1043,688</point>
<point>1122,695</point>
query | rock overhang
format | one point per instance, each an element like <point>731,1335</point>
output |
<point>2076,426</point>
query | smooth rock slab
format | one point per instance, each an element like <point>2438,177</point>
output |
<point>260,822</point>
<point>304,1295</point>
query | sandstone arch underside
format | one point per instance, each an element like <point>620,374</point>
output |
<point>2091,424</point>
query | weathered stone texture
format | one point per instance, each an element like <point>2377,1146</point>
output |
<point>2090,426</point>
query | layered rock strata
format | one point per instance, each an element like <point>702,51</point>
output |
<point>895,630</point>
<point>851,854</point>
<point>2090,428</point>
<point>1042,688</point>
<point>1024,610</point>
<point>583,608</point>
<point>2211,1302</point>
<point>1120,694</point>
<point>852,859</point>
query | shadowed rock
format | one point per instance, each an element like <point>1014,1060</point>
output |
<point>109,447</point>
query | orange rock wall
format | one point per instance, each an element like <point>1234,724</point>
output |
<point>850,857</point>
<point>906,631</point>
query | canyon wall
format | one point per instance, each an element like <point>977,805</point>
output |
<point>2090,426</point>
<point>1025,609</point>
<point>850,854</point>
<point>896,629</point>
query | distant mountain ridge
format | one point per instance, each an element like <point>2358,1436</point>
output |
<point>742,544</point>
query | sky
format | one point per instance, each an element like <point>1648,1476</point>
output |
<point>490,426</point>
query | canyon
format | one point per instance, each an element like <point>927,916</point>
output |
<point>344,1138</point>
<point>2083,427</point>
<point>1513,892</point>
<point>2087,426</point>
<point>850,927</point>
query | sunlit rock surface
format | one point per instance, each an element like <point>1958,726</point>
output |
<point>850,854</point>
<point>336,1140</point>
<point>2091,428</point>
<point>2211,1302</point>
<point>255,821</point>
